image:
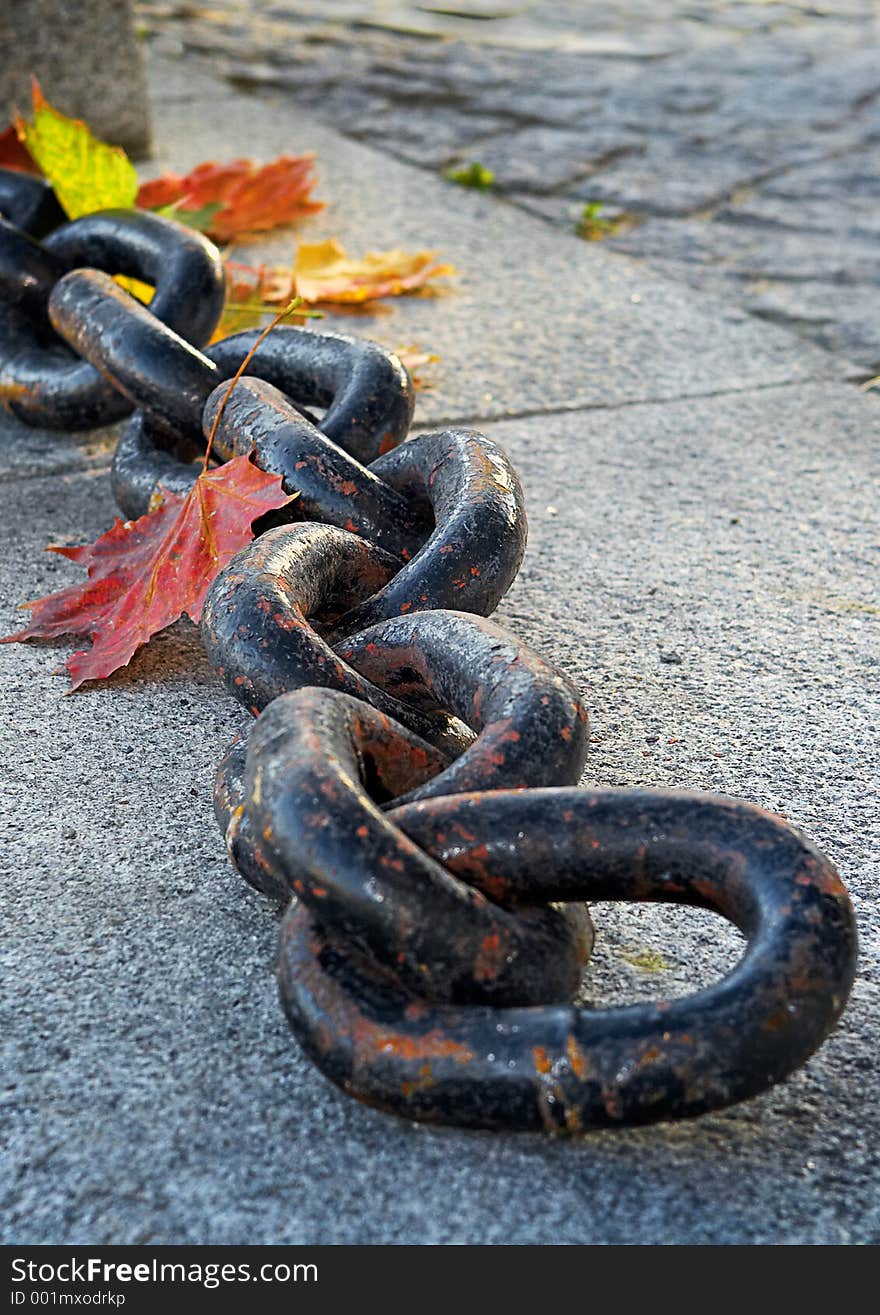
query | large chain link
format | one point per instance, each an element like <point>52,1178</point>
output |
<point>396,781</point>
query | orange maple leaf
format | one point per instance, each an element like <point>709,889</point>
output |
<point>159,192</point>
<point>249,198</point>
<point>144,574</point>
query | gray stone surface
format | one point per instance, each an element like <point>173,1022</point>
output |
<point>802,250</point>
<point>88,60</point>
<point>26,451</point>
<point>535,321</point>
<point>151,1091</point>
<point>696,118</point>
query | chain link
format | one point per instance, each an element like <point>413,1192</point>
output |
<point>406,788</point>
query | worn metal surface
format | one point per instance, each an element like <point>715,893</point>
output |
<point>44,379</point>
<point>367,395</point>
<point>151,365</point>
<point>530,721</point>
<point>561,1067</point>
<point>476,501</point>
<point>467,560</point>
<point>29,203</point>
<point>395,783</point>
<point>310,754</point>
<point>256,619</point>
<point>332,487</point>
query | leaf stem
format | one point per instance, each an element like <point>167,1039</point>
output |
<point>282,315</point>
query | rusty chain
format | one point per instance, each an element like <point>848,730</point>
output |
<point>409,778</point>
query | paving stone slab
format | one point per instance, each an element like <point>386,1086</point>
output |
<point>678,113</point>
<point>24,450</point>
<point>802,249</point>
<point>536,321</point>
<point>703,569</point>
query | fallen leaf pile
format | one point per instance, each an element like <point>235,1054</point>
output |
<point>324,272</point>
<point>226,201</point>
<point>144,575</point>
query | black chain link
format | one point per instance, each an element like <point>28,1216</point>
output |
<point>395,783</point>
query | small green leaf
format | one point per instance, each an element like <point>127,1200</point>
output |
<point>470,175</point>
<point>592,224</point>
<point>199,219</point>
<point>646,960</point>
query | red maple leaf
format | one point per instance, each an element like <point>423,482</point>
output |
<point>14,155</point>
<point>144,574</point>
<point>249,198</point>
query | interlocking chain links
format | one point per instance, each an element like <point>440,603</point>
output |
<point>561,1067</point>
<point>44,380</point>
<point>366,392</point>
<point>395,780</point>
<point>441,937</point>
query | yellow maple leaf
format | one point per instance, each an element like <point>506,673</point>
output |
<point>85,172</point>
<point>324,272</point>
<point>142,291</point>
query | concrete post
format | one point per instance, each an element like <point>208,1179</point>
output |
<point>88,60</point>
